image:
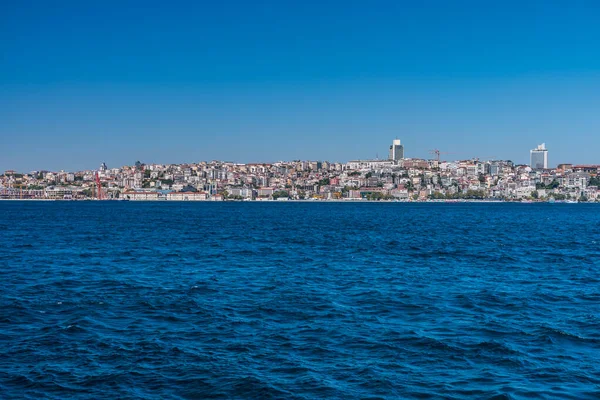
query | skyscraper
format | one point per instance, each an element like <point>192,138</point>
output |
<point>396,150</point>
<point>539,157</point>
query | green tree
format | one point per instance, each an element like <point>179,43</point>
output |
<point>437,196</point>
<point>558,196</point>
<point>473,194</point>
<point>280,193</point>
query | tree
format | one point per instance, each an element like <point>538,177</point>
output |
<point>473,194</point>
<point>552,185</point>
<point>280,193</point>
<point>437,196</point>
<point>535,194</point>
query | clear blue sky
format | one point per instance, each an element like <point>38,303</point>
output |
<point>83,82</point>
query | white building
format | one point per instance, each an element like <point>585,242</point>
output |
<point>58,192</point>
<point>539,157</point>
<point>141,195</point>
<point>369,164</point>
<point>187,196</point>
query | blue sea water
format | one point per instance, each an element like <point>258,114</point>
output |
<point>299,300</point>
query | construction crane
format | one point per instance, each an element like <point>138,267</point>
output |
<point>437,153</point>
<point>99,186</point>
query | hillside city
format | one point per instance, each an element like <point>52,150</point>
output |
<point>395,178</point>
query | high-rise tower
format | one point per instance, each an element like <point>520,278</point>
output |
<point>396,150</point>
<point>539,157</point>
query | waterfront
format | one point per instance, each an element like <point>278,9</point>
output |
<point>395,180</point>
<point>299,300</point>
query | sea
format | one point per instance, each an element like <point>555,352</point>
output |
<point>304,300</point>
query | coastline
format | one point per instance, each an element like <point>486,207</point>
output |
<point>308,201</point>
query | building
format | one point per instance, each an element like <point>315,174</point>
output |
<point>141,195</point>
<point>414,163</point>
<point>539,157</point>
<point>265,192</point>
<point>594,169</point>
<point>59,192</point>
<point>187,196</point>
<point>576,180</point>
<point>396,150</point>
<point>369,164</point>
<point>564,167</point>
<point>246,193</point>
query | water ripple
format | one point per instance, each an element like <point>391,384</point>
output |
<point>299,301</point>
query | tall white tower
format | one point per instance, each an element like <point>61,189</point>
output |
<point>539,157</point>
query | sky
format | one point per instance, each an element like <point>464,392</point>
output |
<point>85,82</point>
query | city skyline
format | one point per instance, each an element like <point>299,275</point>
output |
<point>538,159</point>
<point>82,83</point>
<point>391,179</point>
